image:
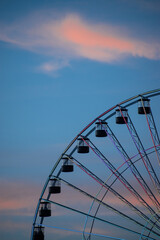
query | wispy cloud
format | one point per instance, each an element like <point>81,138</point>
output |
<point>52,67</point>
<point>18,198</point>
<point>73,37</point>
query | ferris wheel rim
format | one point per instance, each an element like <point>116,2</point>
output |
<point>128,102</point>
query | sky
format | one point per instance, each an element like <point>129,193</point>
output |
<point>63,63</point>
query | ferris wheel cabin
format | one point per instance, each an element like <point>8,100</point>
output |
<point>55,186</point>
<point>67,164</point>
<point>83,145</point>
<point>45,209</point>
<point>101,127</point>
<point>38,233</point>
<point>144,106</point>
<point>121,116</point>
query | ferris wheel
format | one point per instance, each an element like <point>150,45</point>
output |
<point>106,183</point>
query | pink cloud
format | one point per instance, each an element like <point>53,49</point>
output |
<point>102,42</point>
<point>21,199</point>
<point>73,37</point>
<point>14,226</point>
<point>18,198</point>
<point>76,31</point>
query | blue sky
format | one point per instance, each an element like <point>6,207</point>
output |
<point>62,63</point>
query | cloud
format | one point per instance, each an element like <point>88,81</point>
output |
<point>13,226</point>
<point>71,37</point>
<point>52,67</point>
<point>18,198</point>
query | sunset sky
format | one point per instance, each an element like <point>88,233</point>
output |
<point>62,63</point>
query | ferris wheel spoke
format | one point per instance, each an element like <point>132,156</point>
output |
<point>145,159</point>
<point>145,227</point>
<point>98,219</point>
<point>122,199</point>
<point>153,132</point>
<point>151,229</point>
<point>113,191</point>
<point>78,231</point>
<point>131,165</point>
<point>102,203</point>
<point>149,220</point>
<point>119,176</point>
<point>153,128</point>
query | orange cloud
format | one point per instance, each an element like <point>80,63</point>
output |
<point>72,37</point>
